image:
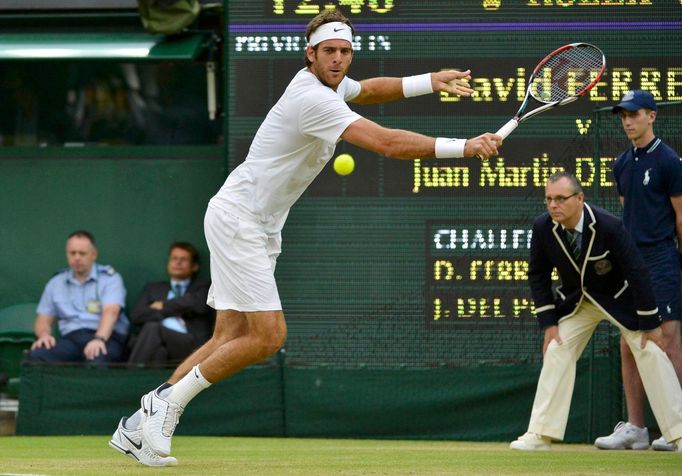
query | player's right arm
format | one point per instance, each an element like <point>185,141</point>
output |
<point>402,144</point>
<point>43,331</point>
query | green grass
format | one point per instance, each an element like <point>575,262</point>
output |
<point>206,456</point>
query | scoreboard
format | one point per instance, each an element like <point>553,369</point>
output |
<point>474,216</point>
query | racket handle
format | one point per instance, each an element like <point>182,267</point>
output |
<point>508,128</point>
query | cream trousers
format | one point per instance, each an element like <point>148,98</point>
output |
<point>557,378</point>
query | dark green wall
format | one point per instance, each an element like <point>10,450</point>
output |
<point>134,207</point>
<point>490,403</point>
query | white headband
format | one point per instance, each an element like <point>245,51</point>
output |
<point>331,31</point>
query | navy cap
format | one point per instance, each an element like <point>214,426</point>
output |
<point>635,100</point>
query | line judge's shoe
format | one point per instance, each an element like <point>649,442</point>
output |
<point>129,442</point>
<point>159,422</point>
<point>531,442</point>
<point>625,436</point>
<point>661,445</point>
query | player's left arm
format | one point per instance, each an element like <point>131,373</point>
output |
<point>386,89</point>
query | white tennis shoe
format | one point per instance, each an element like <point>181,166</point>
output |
<point>531,442</point>
<point>159,422</point>
<point>661,445</point>
<point>130,443</point>
<point>625,436</point>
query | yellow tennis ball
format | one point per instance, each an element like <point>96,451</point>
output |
<point>344,164</point>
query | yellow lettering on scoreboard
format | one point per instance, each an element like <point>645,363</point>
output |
<point>664,84</point>
<point>586,171</point>
<point>500,175</point>
<point>470,308</point>
<point>427,176</point>
<point>674,87</point>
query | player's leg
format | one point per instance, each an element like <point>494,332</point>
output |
<point>127,439</point>
<point>557,378</point>
<point>229,325</point>
<point>242,257</point>
<point>265,334</point>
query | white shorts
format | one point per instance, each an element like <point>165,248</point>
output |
<point>243,258</point>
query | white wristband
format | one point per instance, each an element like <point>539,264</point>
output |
<point>449,148</point>
<point>417,85</point>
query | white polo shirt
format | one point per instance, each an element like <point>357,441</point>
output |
<point>292,145</point>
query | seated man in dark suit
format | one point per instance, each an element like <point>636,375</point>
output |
<point>174,316</point>
<point>603,277</point>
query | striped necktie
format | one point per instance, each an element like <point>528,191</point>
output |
<point>177,290</point>
<point>573,238</point>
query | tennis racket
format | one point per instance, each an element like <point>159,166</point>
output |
<point>559,79</point>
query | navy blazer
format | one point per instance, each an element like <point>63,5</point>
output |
<point>610,272</point>
<point>191,306</point>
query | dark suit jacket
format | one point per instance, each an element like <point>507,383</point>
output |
<point>610,272</point>
<point>191,306</point>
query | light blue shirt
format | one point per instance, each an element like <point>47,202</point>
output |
<point>78,305</point>
<point>176,323</point>
<point>184,284</point>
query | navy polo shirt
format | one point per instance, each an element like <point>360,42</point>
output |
<point>646,179</point>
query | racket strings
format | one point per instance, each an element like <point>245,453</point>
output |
<point>568,73</point>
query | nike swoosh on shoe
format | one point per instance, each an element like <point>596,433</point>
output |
<point>136,445</point>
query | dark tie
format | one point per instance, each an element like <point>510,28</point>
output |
<point>177,290</point>
<point>573,238</point>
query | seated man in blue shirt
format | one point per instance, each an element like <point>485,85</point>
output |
<point>87,300</point>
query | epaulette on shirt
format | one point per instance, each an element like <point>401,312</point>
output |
<point>106,269</point>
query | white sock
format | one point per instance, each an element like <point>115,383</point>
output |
<point>133,421</point>
<point>188,387</point>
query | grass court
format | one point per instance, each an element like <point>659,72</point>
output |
<point>206,456</point>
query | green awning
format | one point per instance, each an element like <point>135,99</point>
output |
<point>88,46</point>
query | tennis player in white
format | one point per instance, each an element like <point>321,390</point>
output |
<point>244,219</point>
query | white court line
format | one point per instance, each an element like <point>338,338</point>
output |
<point>22,474</point>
